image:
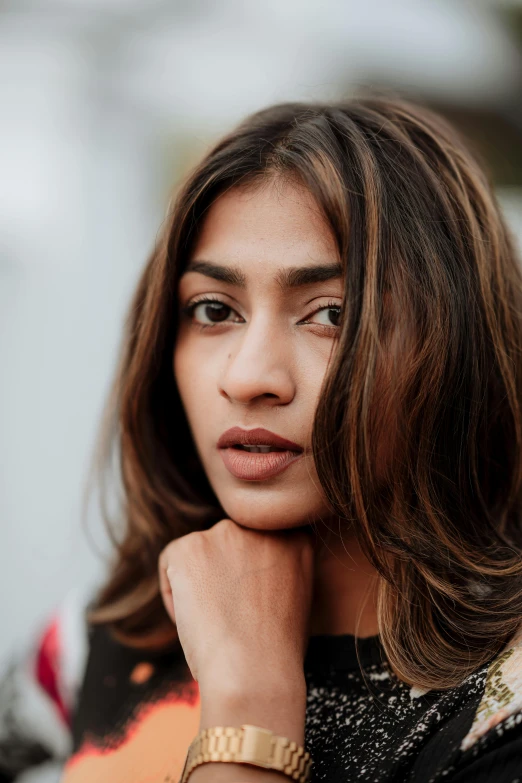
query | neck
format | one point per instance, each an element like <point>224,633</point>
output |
<point>345,587</point>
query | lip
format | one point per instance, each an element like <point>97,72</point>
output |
<point>256,467</point>
<point>256,437</point>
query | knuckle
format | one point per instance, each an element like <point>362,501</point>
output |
<point>225,524</point>
<point>222,528</point>
<point>168,551</point>
<point>306,547</point>
<point>174,549</point>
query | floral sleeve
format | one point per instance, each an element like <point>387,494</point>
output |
<point>38,690</point>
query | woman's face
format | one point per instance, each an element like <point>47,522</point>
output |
<point>256,354</point>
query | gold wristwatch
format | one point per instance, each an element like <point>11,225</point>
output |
<point>248,745</point>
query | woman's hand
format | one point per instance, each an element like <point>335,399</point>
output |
<point>240,599</point>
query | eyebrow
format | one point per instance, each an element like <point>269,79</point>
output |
<point>291,277</point>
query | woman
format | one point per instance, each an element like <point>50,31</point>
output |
<point>318,415</point>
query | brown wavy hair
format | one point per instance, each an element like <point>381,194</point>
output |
<point>429,357</point>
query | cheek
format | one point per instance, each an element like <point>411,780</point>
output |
<point>187,373</point>
<point>195,375</point>
<point>313,368</point>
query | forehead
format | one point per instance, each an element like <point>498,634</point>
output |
<point>275,225</point>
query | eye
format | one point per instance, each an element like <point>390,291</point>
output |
<point>326,316</point>
<point>208,312</point>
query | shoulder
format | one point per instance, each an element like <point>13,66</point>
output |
<point>60,652</point>
<point>501,703</point>
<point>490,750</point>
<point>39,686</point>
<point>39,681</point>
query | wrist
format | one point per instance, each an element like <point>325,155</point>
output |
<point>278,705</point>
<point>237,671</point>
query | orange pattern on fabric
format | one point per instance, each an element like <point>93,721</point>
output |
<point>142,672</point>
<point>153,749</point>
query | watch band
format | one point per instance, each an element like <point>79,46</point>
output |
<point>248,745</point>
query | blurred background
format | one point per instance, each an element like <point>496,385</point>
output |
<point>104,103</point>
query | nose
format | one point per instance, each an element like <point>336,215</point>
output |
<point>258,367</point>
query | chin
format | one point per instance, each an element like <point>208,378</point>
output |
<point>261,508</point>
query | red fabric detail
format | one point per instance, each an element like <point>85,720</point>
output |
<point>48,667</point>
